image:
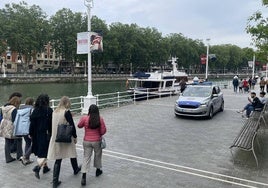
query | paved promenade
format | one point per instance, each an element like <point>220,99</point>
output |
<point>147,146</point>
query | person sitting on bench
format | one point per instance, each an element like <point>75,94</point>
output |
<point>254,104</point>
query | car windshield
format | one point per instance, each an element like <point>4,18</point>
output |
<point>197,92</point>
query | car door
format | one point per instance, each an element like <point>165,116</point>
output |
<point>215,99</point>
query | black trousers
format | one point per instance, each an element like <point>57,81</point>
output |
<point>8,145</point>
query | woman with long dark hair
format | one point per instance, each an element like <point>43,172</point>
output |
<point>95,128</point>
<point>40,132</point>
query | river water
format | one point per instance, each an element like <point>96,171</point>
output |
<point>57,90</point>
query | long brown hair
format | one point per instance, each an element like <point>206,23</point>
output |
<point>15,101</point>
<point>94,114</point>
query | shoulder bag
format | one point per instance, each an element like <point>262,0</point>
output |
<point>64,133</point>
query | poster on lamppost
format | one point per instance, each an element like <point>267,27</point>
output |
<point>96,44</point>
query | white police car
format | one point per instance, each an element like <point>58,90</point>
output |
<point>200,100</point>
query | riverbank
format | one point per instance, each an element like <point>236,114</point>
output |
<point>58,78</point>
<point>69,78</point>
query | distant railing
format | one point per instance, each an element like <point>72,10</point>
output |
<point>114,99</point>
<point>127,97</point>
<point>31,75</point>
<point>77,104</point>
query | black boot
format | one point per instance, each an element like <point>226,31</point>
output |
<point>46,169</point>
<point>36,170</point>
<point>98,172</point>
<point>75,166</point>
<point>56,173</point>
<point>84,181</point>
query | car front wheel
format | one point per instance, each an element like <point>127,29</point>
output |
<point>222,106</point>
<point>210,114</point>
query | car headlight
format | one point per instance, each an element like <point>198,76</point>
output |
<point>204,103</point>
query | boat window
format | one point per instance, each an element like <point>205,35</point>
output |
<point>149,84</point>
<point>169,83</point>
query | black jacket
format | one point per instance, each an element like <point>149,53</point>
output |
<point>40,130</point>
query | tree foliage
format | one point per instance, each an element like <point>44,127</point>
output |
<point>23,28</point>
<point>26,29</point>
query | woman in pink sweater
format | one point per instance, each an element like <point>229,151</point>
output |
<point>94,129</point>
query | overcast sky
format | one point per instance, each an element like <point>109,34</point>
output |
<point>223,21</point>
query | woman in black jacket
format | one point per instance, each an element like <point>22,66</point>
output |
<point>40,132</point>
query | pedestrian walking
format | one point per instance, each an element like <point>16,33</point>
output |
<point>59,150</point>
<point>9,112</point>
<point>235,83</point>
<point>262,84</point>
<point>94,128</point>
<point>240,86</point>
<point>22,124</point>
<point>40,132</point>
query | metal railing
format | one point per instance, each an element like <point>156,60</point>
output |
<point>77,104</point>
<point>126,97</point>
<point>114,99</point>
<point>34,75</point>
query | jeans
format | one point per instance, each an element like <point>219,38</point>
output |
<point>28,147</point>
<point>249,108</point>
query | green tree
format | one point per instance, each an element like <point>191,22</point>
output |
<point>24,30</point>
<point>65,25</point>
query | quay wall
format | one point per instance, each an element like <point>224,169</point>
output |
<point>57,78</point>
<point>60,78</point>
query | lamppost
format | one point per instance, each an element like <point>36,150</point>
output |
<point>3,67</point>
<point>207,58</point>
<point>253,66</point>
<point>89,99</point>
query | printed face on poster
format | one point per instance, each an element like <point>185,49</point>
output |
<point>96,44</point>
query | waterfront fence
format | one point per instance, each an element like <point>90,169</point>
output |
<point>126,97</point>
<point>76,107</point>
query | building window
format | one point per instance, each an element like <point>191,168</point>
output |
<point>8,66</point>
<point>45,62</point>
<point>8,57</point>
<point>51,56</point>
<point>45,56</point>
<point>38,62</point>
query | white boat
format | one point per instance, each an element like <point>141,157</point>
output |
<point>155,84</point>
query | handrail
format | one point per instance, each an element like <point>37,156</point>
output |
<point>122,98</point>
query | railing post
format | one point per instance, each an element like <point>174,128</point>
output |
<point>134,96</point>
<point>147,93</point>
<point>97,100</point>
<point>118,99</point>
<point>81,103</point>
<point>53,104</point>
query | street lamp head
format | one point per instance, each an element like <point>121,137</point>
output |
<point>88,3</point>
